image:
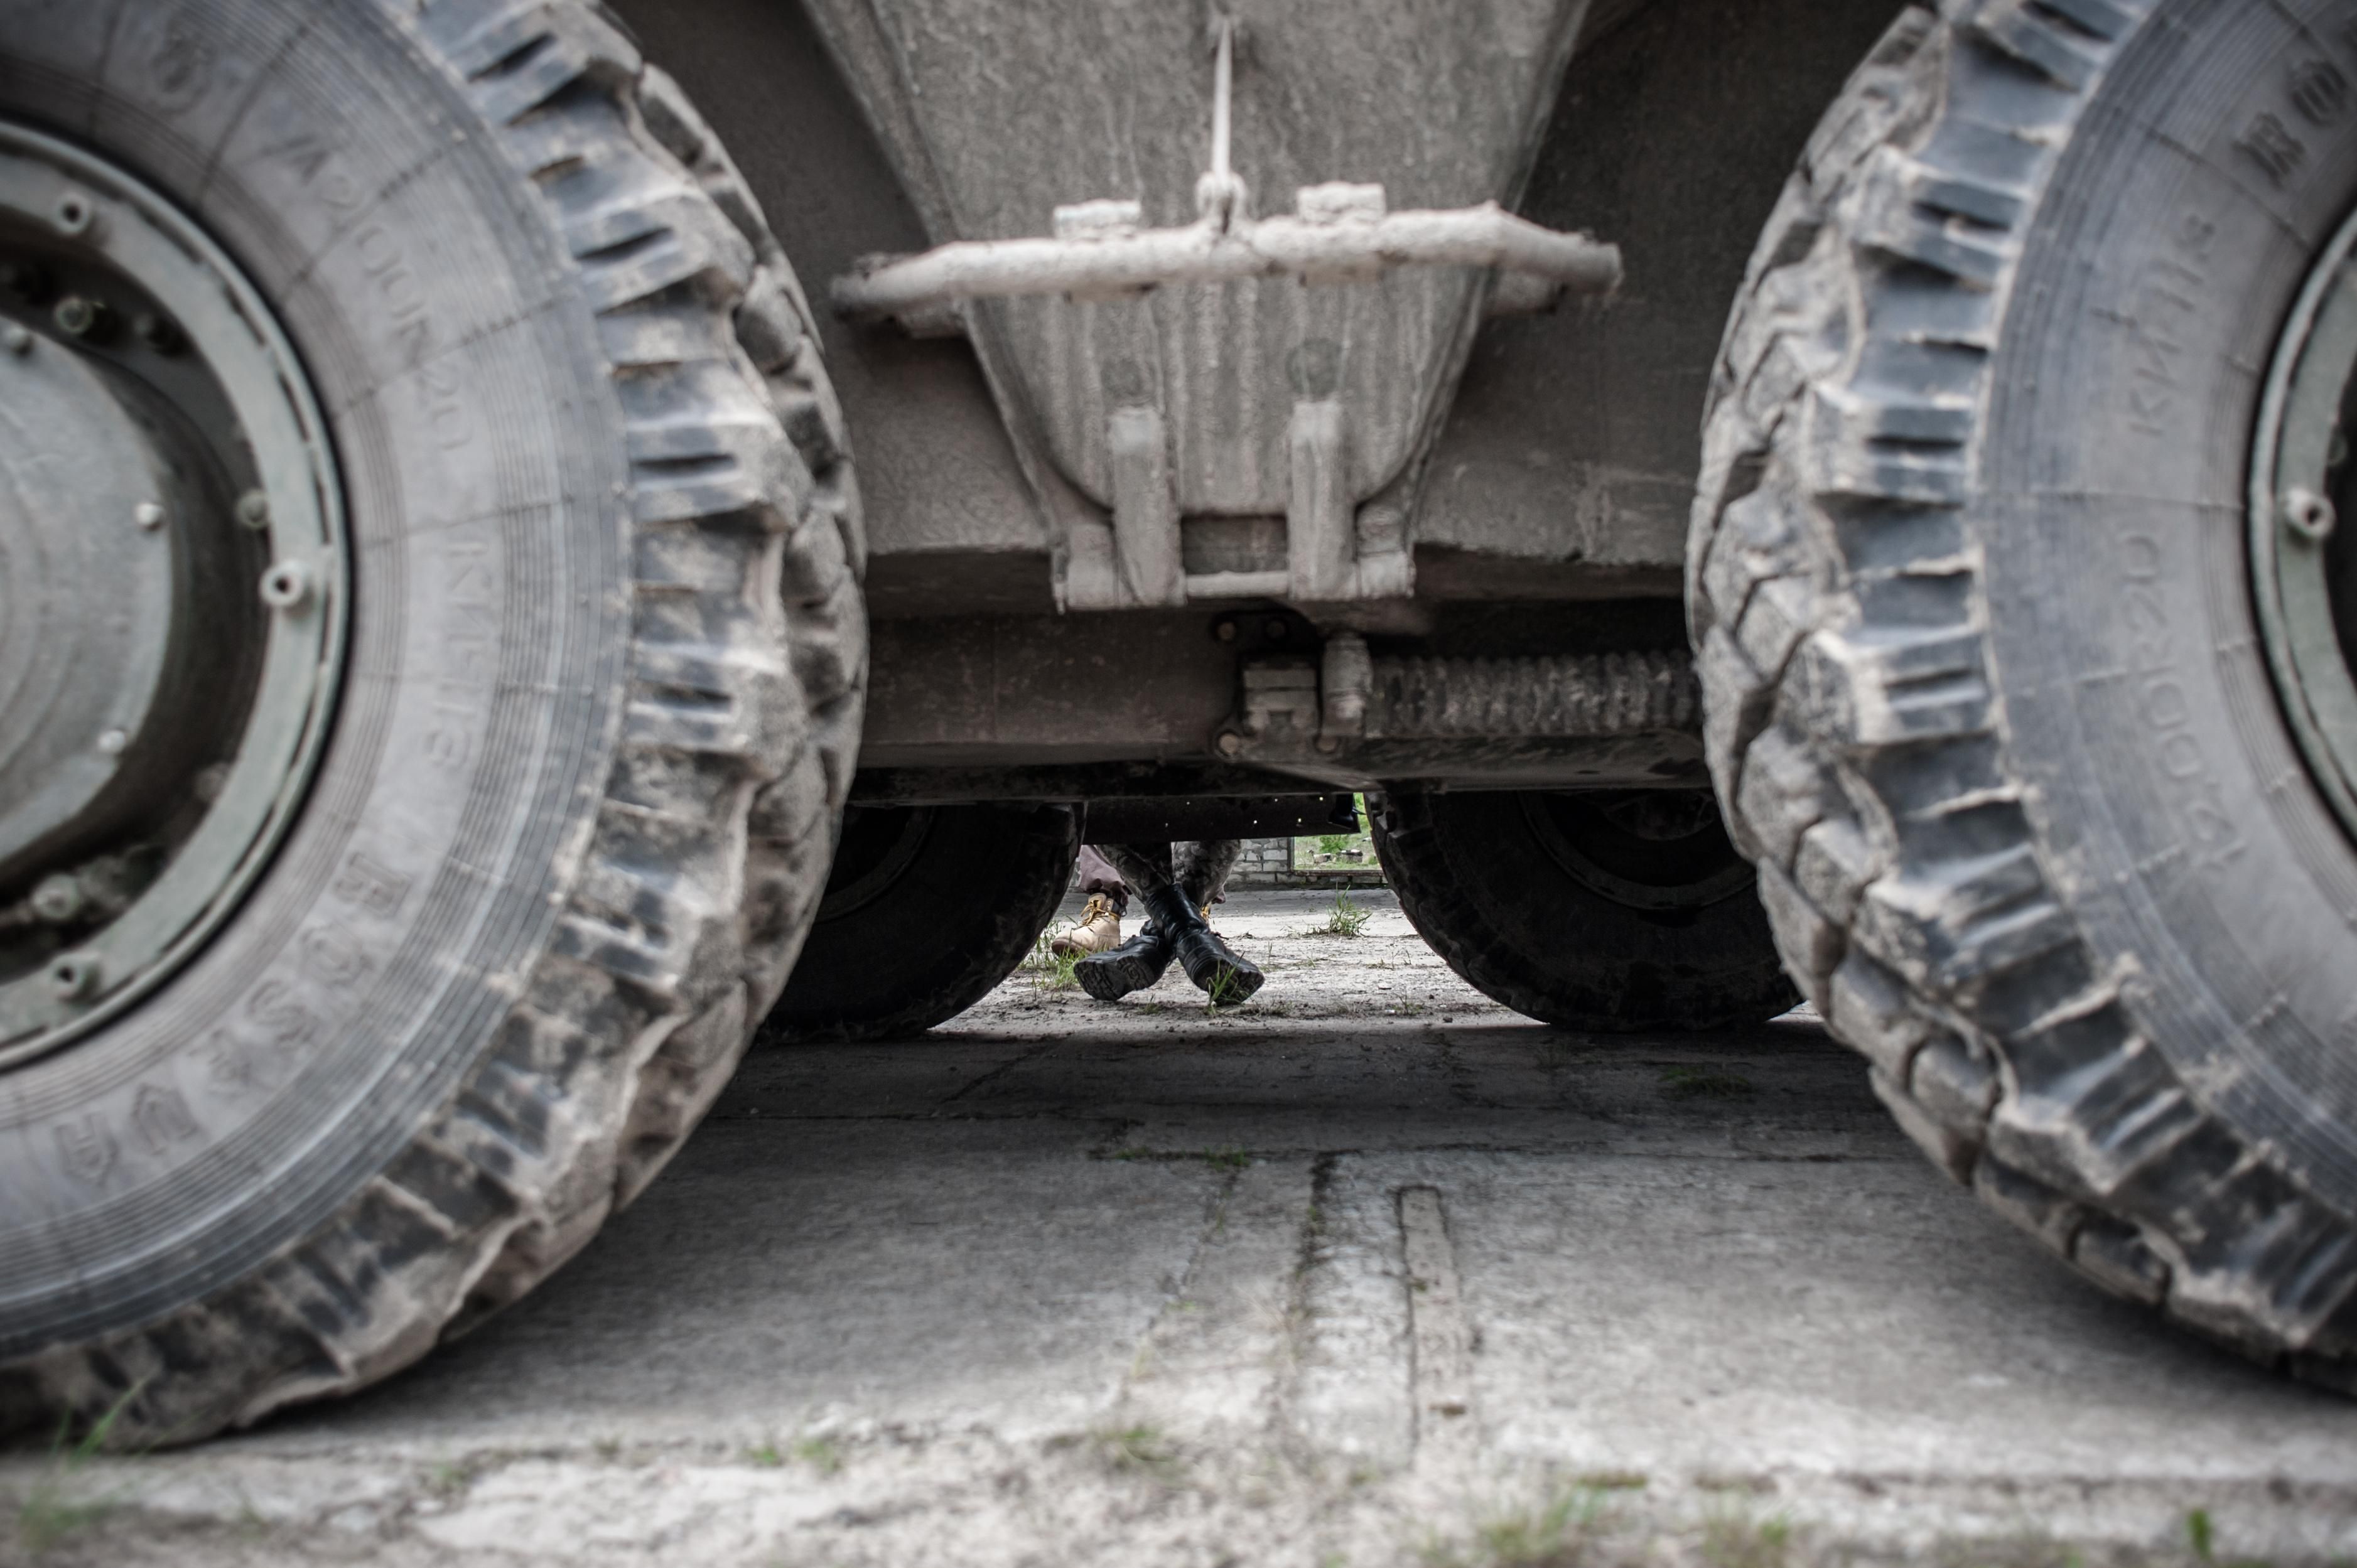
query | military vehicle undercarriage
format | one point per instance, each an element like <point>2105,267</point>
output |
<point>534,529</point>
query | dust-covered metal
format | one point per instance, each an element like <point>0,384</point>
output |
<point>1159,377</point>
<point>1336,233</point>
<point>1622,717</point>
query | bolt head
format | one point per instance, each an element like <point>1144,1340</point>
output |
<point>18,339</point>
<point>113,742</point>
<point>72,212</point>
<point>148,516</point>
<point>74,976</point>
<point>1228,744</point>
<point>286,585</point>
<point>79,317</point>
<point>2308,515</point>
<point>156,332</point>
<point>254,509</point>
<point>58,899</point>
<point>1224,628</point>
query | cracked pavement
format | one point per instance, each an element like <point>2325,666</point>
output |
<point>1368,1272</point>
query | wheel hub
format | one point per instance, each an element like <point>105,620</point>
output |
<point>1647,849</point>
<point>94,507</point>
<point>2303,489</point>
<point>172,589</point>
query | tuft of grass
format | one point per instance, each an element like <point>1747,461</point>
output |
<point>1611,1481</point>
<point>1060,971</point>
<point>1733,1541</point>
<point>766,1456</point>
<point>1225,992</point>
<point>1139,1451</point>
<point>1347,918</point>
<point>820,1453</point>
<point>47,1517</point>
<point>1228,1159</point>
<point>1700,1083</point>
<point>1559,1533</point>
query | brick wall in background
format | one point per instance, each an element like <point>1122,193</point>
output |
<point>1266,863</point>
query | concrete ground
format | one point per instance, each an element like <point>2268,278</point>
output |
<point>1370,1271</point>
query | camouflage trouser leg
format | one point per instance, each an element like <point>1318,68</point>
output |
<point>1199,867</point>
<point>1098,875</point>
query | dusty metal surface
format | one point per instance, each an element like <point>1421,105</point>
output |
<point>992,118</point>
<point>1349,1276</point>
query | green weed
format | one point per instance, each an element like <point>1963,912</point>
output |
<point>1347,918</point>
<point>1558,1534</point>
<point>1139,1451</point>
<point>47,1517</point>
<point>1699,1083</point>
<point>820,1453</point>
<point>1732,1541</point>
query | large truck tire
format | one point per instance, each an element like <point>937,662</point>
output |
<point>927,907</point>
<point>2016,507</point>
<point>1614,911</point>
<point>553,687</point>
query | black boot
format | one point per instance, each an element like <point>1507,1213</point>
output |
<point>1209,961</point>
<point>1134,965</point>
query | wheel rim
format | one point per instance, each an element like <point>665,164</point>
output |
<point>1647,849</point>
<point>174,589</point>
<point>875,847</point>
<point>2304,565</point>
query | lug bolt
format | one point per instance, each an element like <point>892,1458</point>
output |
<point>80,317</point>
<point>2310,515</point>
<point>18,339</point>
<point>155,331</point>
<point>72,214</point>
<point>58,899</point>
<point>254,509</point>
<point>113,741</point>
<point>286,585</point>
<point>148,516</point>
<point>211,781</point>
<point>73,977</point>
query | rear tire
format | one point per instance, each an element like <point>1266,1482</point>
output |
<point>1613,911</point>
<point>927,908</point>
<point>597,715</point>
<point>1988,691</point>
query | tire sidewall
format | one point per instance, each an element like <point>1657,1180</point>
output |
<point>249,1098</point>
<point>1490,896</point>
<point>2172,807</point>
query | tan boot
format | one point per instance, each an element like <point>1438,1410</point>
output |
<point>1097,928</point>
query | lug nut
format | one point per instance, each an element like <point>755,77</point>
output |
<point>58,899</point>
<point>254,509</point>
<point>286,585</point>
<point>79,317</point>
<point>73,977</point>
<point>148,516</point>
<point>2310,515</point>
<point>113,742</point>
<point>157,332</point>
<point>18,340</point>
